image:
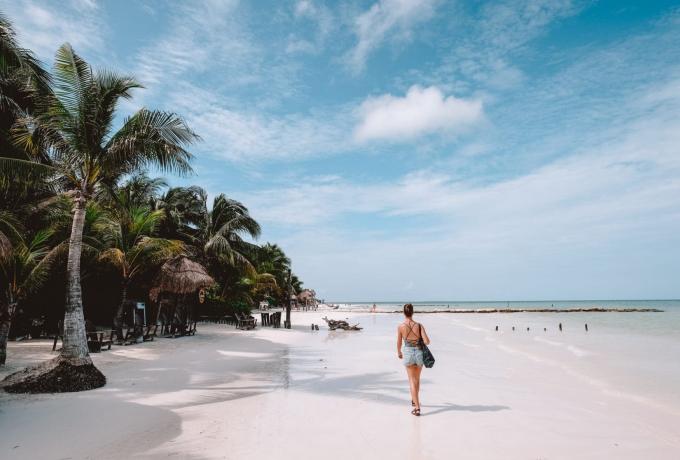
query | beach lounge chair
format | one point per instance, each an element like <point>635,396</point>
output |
<point>150,333</point>
<point>174,330</point>
<point>99,340</point>
<point>133,335</point>
<point>275,319</point>
<point>265,319</point>
<point>245,321</point>
<point>59,335</point>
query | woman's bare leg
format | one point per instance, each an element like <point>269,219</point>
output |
<point>416,380</point>
<point>409,373</point>
<point>411,370</point>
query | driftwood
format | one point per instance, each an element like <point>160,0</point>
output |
<point>340,324</point>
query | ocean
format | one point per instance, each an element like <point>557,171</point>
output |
<point>664,323</point>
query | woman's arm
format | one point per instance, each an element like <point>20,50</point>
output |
<point>426,339</point>
<point>399,342</point>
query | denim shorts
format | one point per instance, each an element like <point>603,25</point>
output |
<point>413,356</point>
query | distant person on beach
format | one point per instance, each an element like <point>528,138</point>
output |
<point>373,308</point>
<point>411,332</point>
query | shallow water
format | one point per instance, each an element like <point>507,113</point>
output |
<point>665,323</point>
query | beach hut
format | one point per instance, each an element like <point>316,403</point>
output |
<point>307,298</point>
<point>178,287</point>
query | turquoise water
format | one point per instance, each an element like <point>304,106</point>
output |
<point>528,304</point>
<point>666,323</point>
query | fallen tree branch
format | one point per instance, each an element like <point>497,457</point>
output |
<point>340,324</point>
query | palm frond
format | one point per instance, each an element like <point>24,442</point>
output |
<point>72,79</point>
<point>102,101</point>
<point>152,138</point>
<point>13,56</point>
<point>10,231</point>
<point>150,253</point>
<point>40,271</point>
<point>113,256</point>
<point>24,170</point>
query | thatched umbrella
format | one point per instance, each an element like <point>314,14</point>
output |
<point>180,276</point>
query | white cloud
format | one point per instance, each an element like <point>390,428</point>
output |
<point>200,38</point>
<point>384,20</point>
<point>603,214</point>
<point>421,111</point>
<point>44,27</point>
<point>321,18</point>
<point>217,49</point>
<point>482,45</point>
<point>85,4</point>
<point>249,135</point>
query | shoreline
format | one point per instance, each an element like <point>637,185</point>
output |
<point>514,310</point>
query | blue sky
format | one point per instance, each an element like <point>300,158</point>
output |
<point>420,149</point>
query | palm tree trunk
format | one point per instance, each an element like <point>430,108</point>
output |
<point>5,323</point>
<point>75,338</point>
<point>120,312</point>
<point>72,370</point>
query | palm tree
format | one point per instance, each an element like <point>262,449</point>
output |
<point>185,211</point>
<point>20,77</point>
<point>217,237</point>
<point>271,259</point>
<point>22,82</point>
<point>23,268</point>
<point>132,249</point>
<point>222,236</point>
<point>139,190</point>
<point>72,135</point>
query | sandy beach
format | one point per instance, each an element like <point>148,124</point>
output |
<point>298,394</point>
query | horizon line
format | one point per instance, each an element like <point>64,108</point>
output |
<point>500,301</point>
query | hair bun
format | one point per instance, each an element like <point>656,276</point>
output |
<point>408,310</point>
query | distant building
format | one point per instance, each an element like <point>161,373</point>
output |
<point>307,298</point>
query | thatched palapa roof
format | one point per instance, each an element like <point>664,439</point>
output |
<point>180,275</point>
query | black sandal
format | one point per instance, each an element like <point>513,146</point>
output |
<point>416,412</point>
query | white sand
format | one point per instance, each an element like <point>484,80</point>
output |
<point>298,394</point>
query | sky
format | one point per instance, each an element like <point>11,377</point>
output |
<point>419,149</point>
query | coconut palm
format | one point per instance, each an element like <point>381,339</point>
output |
<point>20,75</point>
<point>271,259</point>
<point>139,190</point>
<point>185,211</point>
<point>23,268</point>
<point>217,237</point>
<point>72,134</point>
<point>222,236</point>
<point>132,249</point>
<point>22,82</point>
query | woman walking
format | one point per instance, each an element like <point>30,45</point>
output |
<point>411,332</point>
